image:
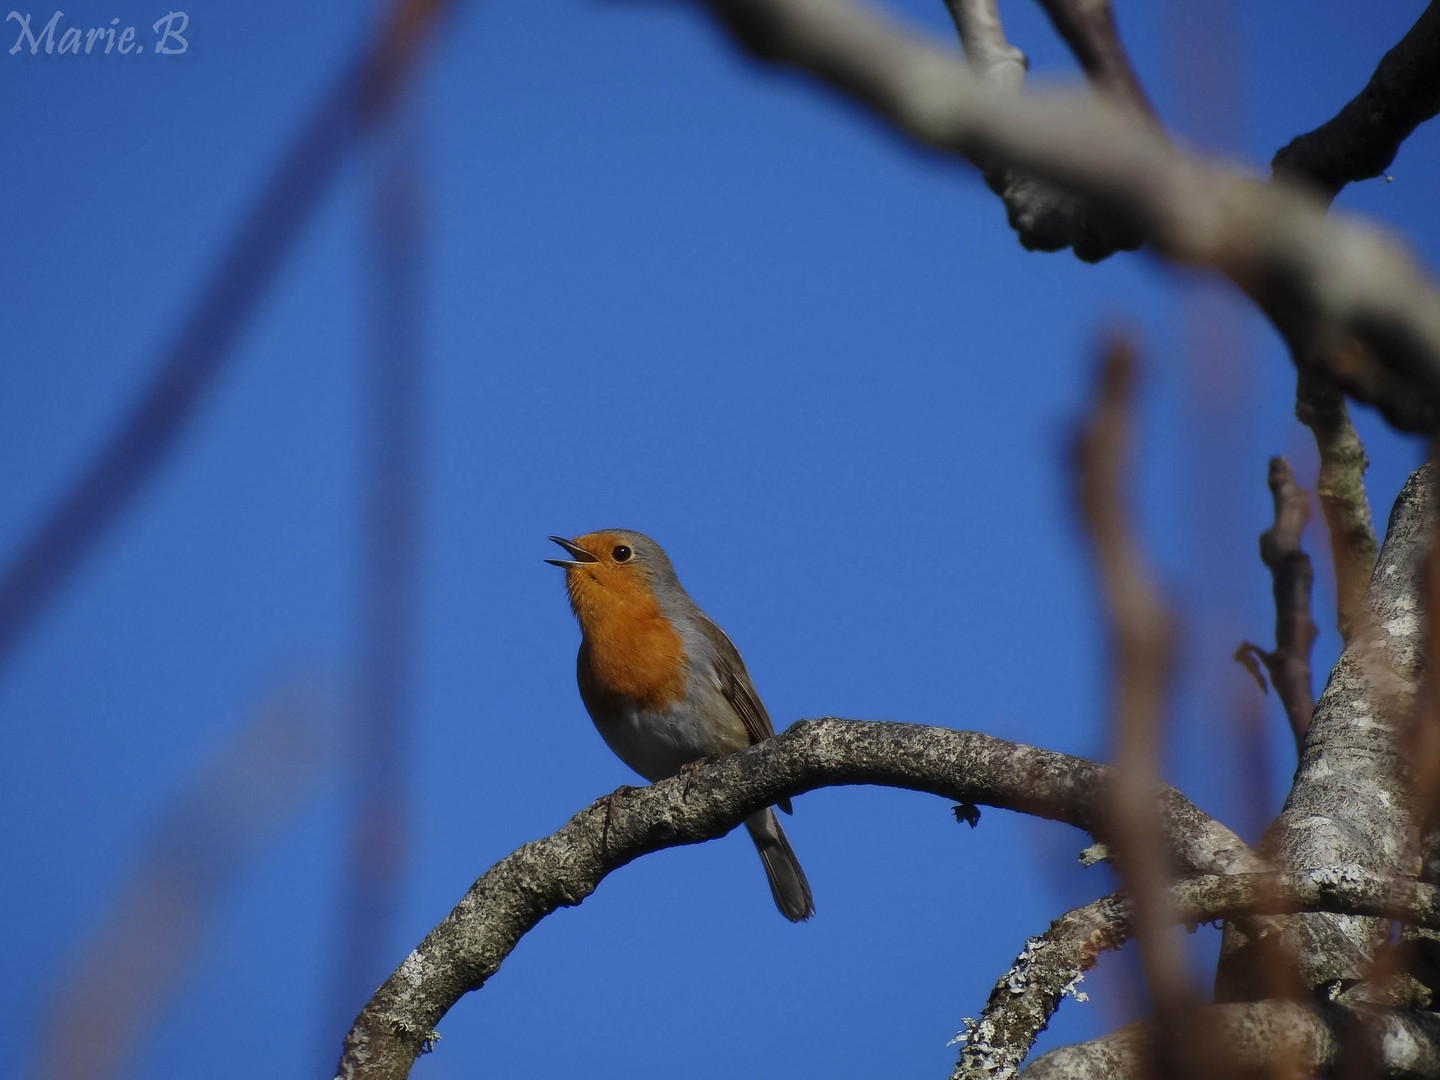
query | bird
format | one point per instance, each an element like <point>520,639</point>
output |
<point>664,685</point>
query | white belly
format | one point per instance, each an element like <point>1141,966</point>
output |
<point>658,744</point>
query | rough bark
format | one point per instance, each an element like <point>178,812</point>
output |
<point>1264,1039</point>
<point>1340,487</point>
<point>468,946</point>
<point>1349,803</point>
<point>1051,965</point>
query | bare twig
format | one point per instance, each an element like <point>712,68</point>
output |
<point>1291,579</point>
<point>1361,140</point>
<point>1274,243</point>
<point>1141,639</point>
<point>1044,217</point>
<point>468,946</point>
<point>989,54</point>
<point>1340,487</point>
<point>1088,27</point>
<point>1356,144</point>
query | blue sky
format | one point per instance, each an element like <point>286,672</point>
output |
<point>663,288</point>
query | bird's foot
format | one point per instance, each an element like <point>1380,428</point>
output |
<point>688,770</point>
<point>624,791</point>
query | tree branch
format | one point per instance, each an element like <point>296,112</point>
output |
<point>1140,637</point>
<point>1088,27</point>
<point>1356,144</point>
<point>1350,803</point>
<point>1340,487</point>
<point>1044,217</point>
<point>1051,965</point>
<point>1262,1039</point>
<point>1026,997</point>
<point>1274,243</point>
<point>468,946</point>
<point>1362,139</point>
<point>1291,579</point>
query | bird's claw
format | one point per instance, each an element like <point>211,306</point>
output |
<point>624,791</point>
<point>689,770</point>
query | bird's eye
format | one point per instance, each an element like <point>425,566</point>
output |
<point>621,554</point>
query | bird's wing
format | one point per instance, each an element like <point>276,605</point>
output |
<point>735,684</point>
<point>737,689</point>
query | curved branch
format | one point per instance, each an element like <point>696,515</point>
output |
<point>468,946</point>
<point>1052,964</point>
<point>1025,997</point>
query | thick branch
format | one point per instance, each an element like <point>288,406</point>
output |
<point>1273,242</point>
<point>1262,1039</point>
<point>1350,802</point>
<point>465,949</point>
<point>1361,140</point>
<point>1052,965</point>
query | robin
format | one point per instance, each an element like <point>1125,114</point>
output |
<point>663,683</point>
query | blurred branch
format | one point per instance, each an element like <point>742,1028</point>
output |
<point>1291,579</point>
<point>138,956</point>
<point>381,736</point>
<point>470,944</point>
<point>1141,641</point>
<point>1088,27</point>
<point>1358,143</point>
<point>194,359</point>
<point>1340,487</point>
<point>1261,1039</point>
<point>1044,217</point>
<point>1362,139</point>
<point>1272,241</point>
<point>1051,965</point>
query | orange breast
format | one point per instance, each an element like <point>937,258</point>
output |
<point>629,654</point>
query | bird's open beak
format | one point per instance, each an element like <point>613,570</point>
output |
<point>581,555</point>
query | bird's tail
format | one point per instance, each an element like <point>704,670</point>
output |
<point>782,869</point>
